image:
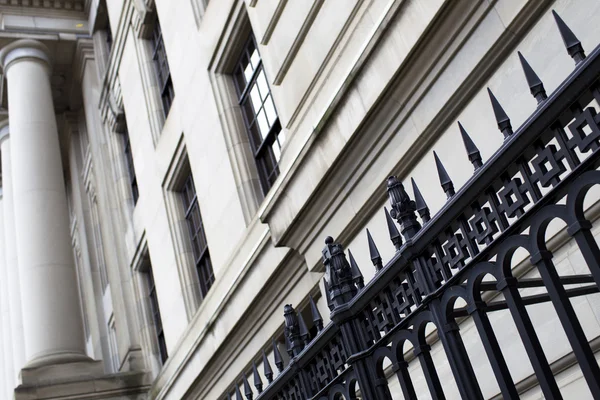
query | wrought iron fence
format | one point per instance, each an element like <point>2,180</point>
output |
<point>541,173</point>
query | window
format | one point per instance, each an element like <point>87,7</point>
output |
<point>155,311</point>
<point>112,343</point>
<point>198,238</point>
<point>163,72</point>
<point>130,167</point>
<point>260,116</point>
<point>109,38</point>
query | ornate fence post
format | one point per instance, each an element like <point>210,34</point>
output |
<point>341,289</point>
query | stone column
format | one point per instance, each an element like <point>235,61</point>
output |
<point>10,255</point>
<point>6,363</point>
<point>52,324</point>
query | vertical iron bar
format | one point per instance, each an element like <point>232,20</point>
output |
<point>408,389</point>
<point>530,340</point>
<point>588,247</point>
<point>431,376</point>
<point>457,355</point>
<point>494,353</point>
<point>570,322</point>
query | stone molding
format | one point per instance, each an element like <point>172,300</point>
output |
<point>111,101</point>
<point>143,19</point>
<point>4,131</point>
<point>75,5</point>
<point>24,49</point>
<point>84,52</point>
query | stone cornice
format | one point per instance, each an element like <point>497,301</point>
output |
<point>74,5</point>
<point>84,51</point>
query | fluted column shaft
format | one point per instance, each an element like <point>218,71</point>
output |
<point>52,324</point>
<point>6,363</point>
<point>10,255</point>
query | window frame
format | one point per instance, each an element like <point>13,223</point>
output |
<point>162,68</point>
<point>263,152</point>
<point>128,154</point>
<point>155,314</point>
<point>197,235</point>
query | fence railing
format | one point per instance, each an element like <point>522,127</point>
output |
<point>459,263</point>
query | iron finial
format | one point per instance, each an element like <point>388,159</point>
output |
<point>445,180</point>
<point>277,357</point>
<point>393,230</point>
<point>573,45</point>
<point>238,394</point>
<point>501,117</point>
<point>247,388</point>
<point>267,368</point>
<point>374,252</point>
<point>472,150</point>
<point>257,381</point>
<point>403,208</point>
<point>357,276</point>
<point>316,315</point>
<point>303,329</point>
<point>292,331</point>
<point>422,208</point>
<point>536,87</point>
<point>338,273</point>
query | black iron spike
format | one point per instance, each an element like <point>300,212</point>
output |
<point>536,86</point>
<point>422,208</point>
<point>374,252</point>
<point>445,180</point>
<point>257,381</point>
<point>316,315</point>
<point>303,329</point>
<point>238,394</point>
<point>267,368</point>
<point>277,357</point>
<point>247,388</point>
<point>573,45</point>
<point>357,276</point>
<point>501,117</point>
<point>472,150</point>
<point>393,230</point>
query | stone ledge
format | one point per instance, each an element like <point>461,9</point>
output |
<point>81,380</point>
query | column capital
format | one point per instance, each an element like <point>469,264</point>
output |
<point>24,49</point>
<point>4,131</point>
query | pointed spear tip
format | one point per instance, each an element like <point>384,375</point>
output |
<point>443,175</point>
<point>566,33</point>
<point>467,141</point>
<point>393,230</point>
<point>499,112</point>
<point>533,79</point>
<point>313,308</point>
<point>303,327</point>
<point>373,250</point>
<point>353,264</point>
<point>416,191</point>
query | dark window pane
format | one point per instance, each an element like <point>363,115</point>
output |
<point>260,115</point>
<point>163,72</point>
<point>130,167</point>
<point>156,318</point>
<point>197,237</point>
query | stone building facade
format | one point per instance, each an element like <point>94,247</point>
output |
<point>171,168</point>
